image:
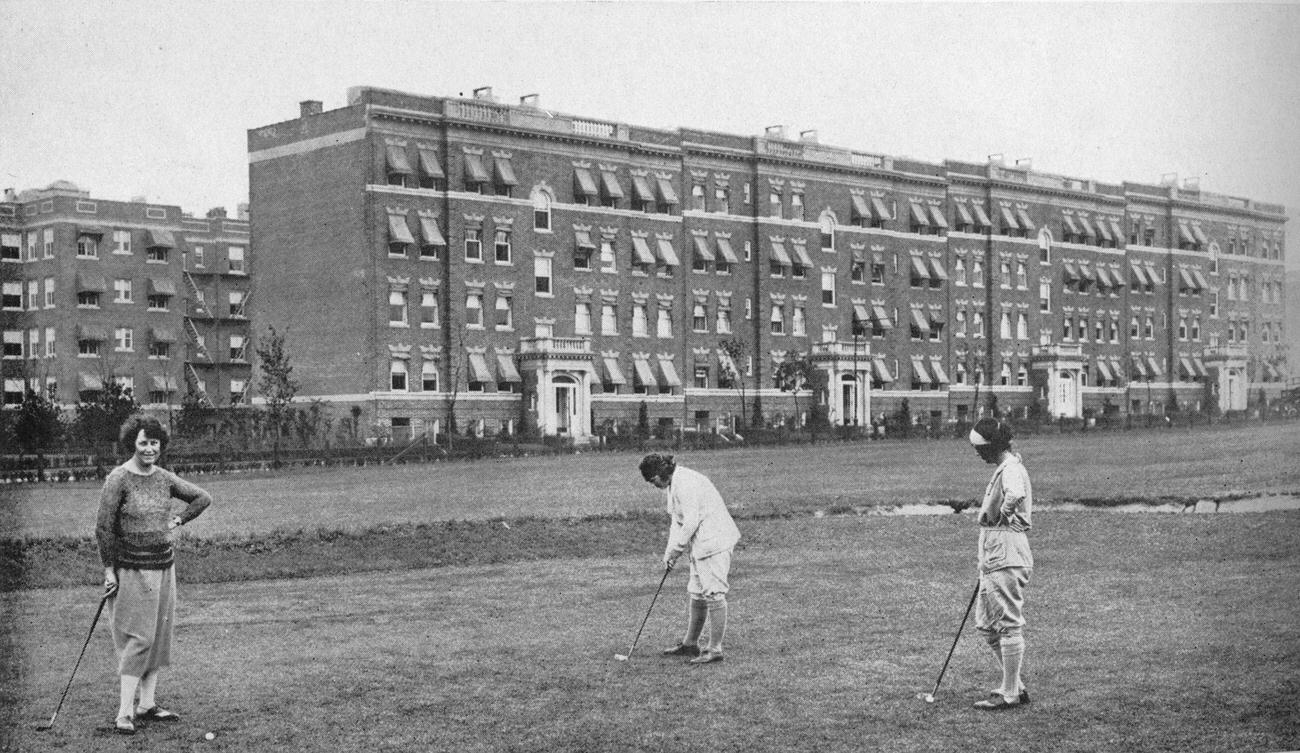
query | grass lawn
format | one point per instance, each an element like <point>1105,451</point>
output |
<point>1147,633</point>
<point>1097,465</point>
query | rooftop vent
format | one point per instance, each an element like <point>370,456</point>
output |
<point>809,136</point>
<point>774,132</point>
<point>309,107</point>
<point>484,93</point>
<point>529,100</point>
<point>1025,163</point>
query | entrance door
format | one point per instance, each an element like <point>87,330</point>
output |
<point>849,400</point>
<point>565,405</point>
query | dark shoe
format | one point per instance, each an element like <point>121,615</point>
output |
<point>996,702</point>
<point>1024,698</point>
<point>124,726</point>
<point>157,714</point>
<point>707,657</point>
<point>683,649</point>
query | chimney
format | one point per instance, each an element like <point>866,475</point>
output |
<point>216,212</point>
<point>529,100</point>
<point>774,132</point>
<point>10,195</point>
<point>809,136</point>
<point>309,107</point>
<point>241,211</point>
<point>484,93</point>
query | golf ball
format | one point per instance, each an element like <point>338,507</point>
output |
<point>210,736</point>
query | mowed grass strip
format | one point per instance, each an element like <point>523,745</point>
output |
<point>1147,633</point>
<point>1098,466</point>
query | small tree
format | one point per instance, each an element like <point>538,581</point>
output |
<point>195,418</point>
<point>737,352</point>
<point>100,418</point>
<point>792,376</point>
<point>275,384</point>
<point>39,425</point>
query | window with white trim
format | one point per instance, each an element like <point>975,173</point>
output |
<point>542,276</point>
<point>397,375</point>
<point>123,339</point>
<point>474,309</point>
<point>397,308</point>
<point>121,291</point>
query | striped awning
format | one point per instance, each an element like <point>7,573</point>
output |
<point>429,164</point>
<point>583,183</point>
<point>478,368</point>
<point>159,238</point>
<point>880,372</point>
<point>801,253</point>
<point>395,156</point>
<point>613,374</point>
<point>919,372</point>
<point>702,250</point>
<point>398,230</point>
<point>667,254</point>
<point>505,172</point>
<point>724,246</point>
<point>669,373</point>
<point>641,250</point>
<point>666,193</point>
<point>506,371</point>
<point>643,375</point>
<point>779,255</point>
<point>430,232</point>
<point>475,172</point>
<point>1104,371</point>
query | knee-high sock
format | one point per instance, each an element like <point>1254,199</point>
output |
<point>717,624</point>
<point>126,697</point>
<point>995,642</point>
<point>1013,654</point>
<point>148,686</point>
<point>697,610</point>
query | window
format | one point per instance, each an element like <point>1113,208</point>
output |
<point>828,232</point>
<point>1004,327</point>
<point>877,269</point>
<point>1083,329</point>
<point>159,302</point>
<point>977,273</point>
<point>428,308</point>
<point>542,275</point>
<point>235,260</point>
<point>88,299</point>
<point>13,343</point>
<point>161,350</point>
<point>541,211</point>
<point>664,322</point>
<point>474,310</point>
<point>237,388</point>
<point>582,318</point>
<point>1004,275</point>
<point>858,270</point>
<point>776,323</point>
<point>799,322</point>
<point>960,316</point>
<point>429,376</point>
<point>1022,326</point>
<point>699,318</point>
<point>697,197</point>
<point>1149,330</point>
<point>1099,331</point>
<point>1067,329</point>
<point>608,260</point>
<point>121,241</point>
<point>47,239</point>
<point>156,254</point>
<point>397,316</point>
<point>640,322</point>
<point>88,347</point>
<point>121,291</point>
<point>1022,276</point>
<point>724,320</point>
<point>236,301</point>
<point>397,375</point>
<point>608,319</point>
<point>774,202</point>
<point>828,288</point>
<point>505,315</point>
<point>977,324</point>
<point>87,247</point>
<point>721,199</point>
<point>796,206</point>
<point>196,253</point>
<point>502,246</point>
<point>1196,329</point>
<point>473,244</point>
<point>11,247</point>
<point>124,339</point>
<point>49,342</point>
<point>701,376</point>
<point>13,296</point>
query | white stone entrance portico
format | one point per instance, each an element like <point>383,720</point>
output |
<point>558,373</point>
<point>1228,377</point>
<point>848,380</point>
<point>1055,374</point>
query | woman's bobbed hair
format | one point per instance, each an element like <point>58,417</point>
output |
<point>151,427</point>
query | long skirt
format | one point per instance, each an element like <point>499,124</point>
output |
<point>142,615</point>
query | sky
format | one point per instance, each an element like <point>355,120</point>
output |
<point>130,99</point>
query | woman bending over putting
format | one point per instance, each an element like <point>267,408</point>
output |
<point>134,532</point>
<point>1005,562</point>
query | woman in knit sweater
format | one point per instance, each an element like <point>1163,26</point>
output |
<point>134,531</point>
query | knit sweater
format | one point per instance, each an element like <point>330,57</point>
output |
<point>132,527</point>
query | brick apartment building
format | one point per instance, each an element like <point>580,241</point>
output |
<point>127,291</point>
<point>528,269</point>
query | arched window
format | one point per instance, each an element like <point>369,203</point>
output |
<point>541,210</point>
<point>1045,246</point>
<point>827,223</point>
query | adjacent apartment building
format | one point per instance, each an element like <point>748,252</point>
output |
<point>125,291</point>
<point>520,269</point>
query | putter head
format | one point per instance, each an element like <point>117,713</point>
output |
<point>45,726</point>
<point>620,657</point>
<point>927,697</point>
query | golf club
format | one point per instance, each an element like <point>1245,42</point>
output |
<point>929,697</point>
<point>623,657</point>
<point>109,591</point>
